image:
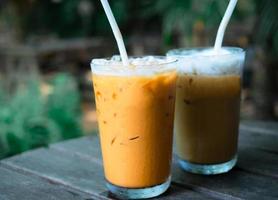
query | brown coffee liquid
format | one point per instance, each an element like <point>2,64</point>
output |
<point>207,118</point>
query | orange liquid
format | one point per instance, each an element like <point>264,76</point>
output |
<point>207,118</point>
<point>135,117</point>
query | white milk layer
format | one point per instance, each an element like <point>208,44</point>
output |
<point>142,66</point>
<point>209,62</point>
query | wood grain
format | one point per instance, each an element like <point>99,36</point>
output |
<point>73,170</point>
<point>62,168</point>
<point>15,186</point>
<point>247,170</point>
<point>236,184</point>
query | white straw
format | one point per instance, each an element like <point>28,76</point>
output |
<point>116,31</point>
<point>223,25</point>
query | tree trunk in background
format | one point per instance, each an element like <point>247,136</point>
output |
<point>199,36</point>
<point>263,84</point>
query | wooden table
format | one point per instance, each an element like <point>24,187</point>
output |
<point>73,170</point>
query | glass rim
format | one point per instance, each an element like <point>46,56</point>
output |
<point>118,63</point>
<point>102,66</point>
<point>191,52</point>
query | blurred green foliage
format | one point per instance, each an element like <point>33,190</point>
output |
<point>267,25</point>
<point>29,119</point>
<point>63,106</point>
<point>181,16</point>
<point>69,18</point>
<point>79,18</point>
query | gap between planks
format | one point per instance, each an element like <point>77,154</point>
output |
<point>22,170</point>
<point>263,131</point>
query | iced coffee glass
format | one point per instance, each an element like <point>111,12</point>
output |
<point>135,109</point>
<point>207,108</point>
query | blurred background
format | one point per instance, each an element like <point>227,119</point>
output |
<point>46,46</point>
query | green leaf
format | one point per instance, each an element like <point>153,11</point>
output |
<point>17,144</point>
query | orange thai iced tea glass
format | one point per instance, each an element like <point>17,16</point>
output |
<point>135,110</point>
<point>207,108</point>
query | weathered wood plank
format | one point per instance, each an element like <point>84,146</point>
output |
<point>81,173</point>
<point>175,193</point>
<point>252,156</point>
<point>258,141</point>
<point>246,138</point>
<point>180,193</point>
<point>67,164</point>
<point>263,127</point>
<point>248,168</point>
<point>62,168</point>
<point>14,186</point>
<point>85,147</point>
<point>88,147</point>
<point>233,185</point>
<point>258,162</point>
